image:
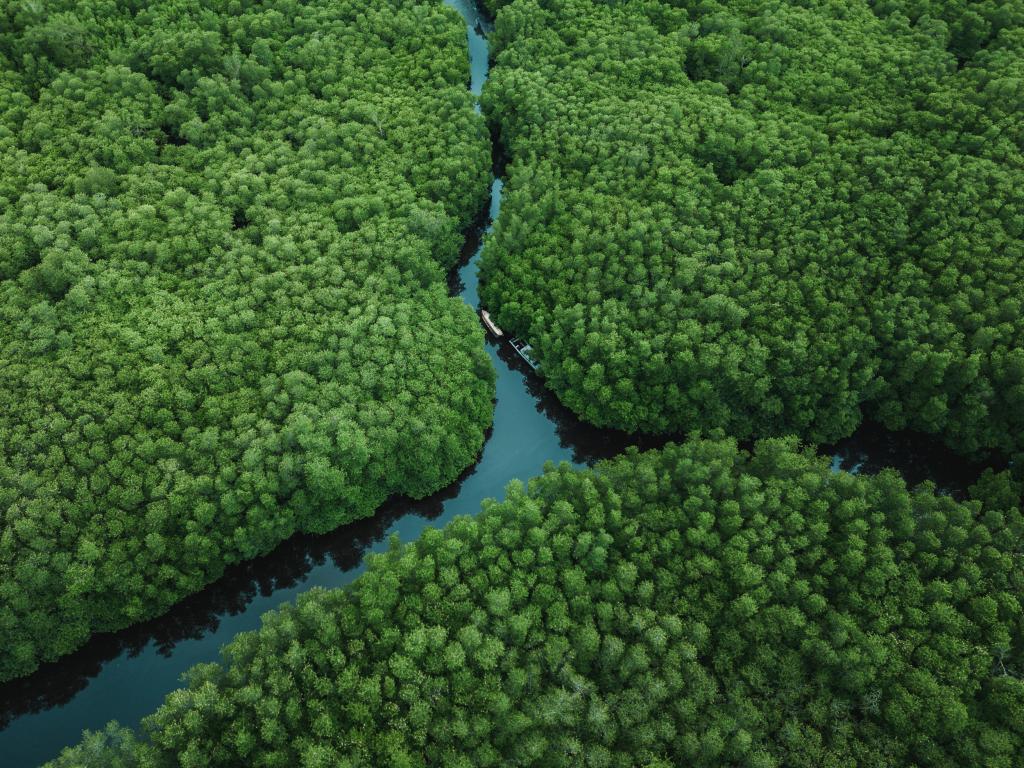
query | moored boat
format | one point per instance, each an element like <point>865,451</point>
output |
<point>490,325</point>
<point>525,352</point>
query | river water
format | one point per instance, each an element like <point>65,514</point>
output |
<point>126,675</point>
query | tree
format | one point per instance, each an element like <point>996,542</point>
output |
<point>773,218</point>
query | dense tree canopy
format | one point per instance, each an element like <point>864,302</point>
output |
<point>767,216</point>
<point>224,229</point>
<point>696,606</point>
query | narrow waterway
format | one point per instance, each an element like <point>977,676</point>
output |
<point>126,675</point>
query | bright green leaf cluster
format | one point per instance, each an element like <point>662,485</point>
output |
<point>696,606</point>
<point>224,230</point>
<point>767,216</point>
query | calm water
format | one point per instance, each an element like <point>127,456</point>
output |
<point>126,675</point>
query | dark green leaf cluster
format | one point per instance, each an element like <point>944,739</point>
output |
<point>696,606</point>
<point>970,25</point>
<point>224,230</point>
<point>772,217</point>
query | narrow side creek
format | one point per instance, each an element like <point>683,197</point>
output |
<point>126,675</point>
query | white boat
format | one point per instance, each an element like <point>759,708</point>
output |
<point>489,324</point>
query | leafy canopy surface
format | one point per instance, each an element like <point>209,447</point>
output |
<point>696,606</point>
<point>766,216</point>
<point>223,316</point>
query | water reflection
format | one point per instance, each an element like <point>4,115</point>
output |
<point>917,456</point>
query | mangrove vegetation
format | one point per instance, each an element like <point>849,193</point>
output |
<point>224,232</point>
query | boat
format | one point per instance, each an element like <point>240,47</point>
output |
<point>525,351</point>
<point>489,324</point>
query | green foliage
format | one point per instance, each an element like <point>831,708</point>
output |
<point>766,216</point>
<point>113,747</point>
<point>970,25</point>
<point>224,230</point>
<point>696,606</point>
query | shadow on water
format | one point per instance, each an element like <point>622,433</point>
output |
<point>918,458</point>
<point>288,568</point>
<point>202,614</point>
<point>589,444</point>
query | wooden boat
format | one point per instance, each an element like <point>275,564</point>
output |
<point>489,324</point>
<point>524,351</point>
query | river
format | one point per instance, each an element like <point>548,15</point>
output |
<point>124,676</point>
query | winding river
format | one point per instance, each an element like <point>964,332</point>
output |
<point>126,675</point>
